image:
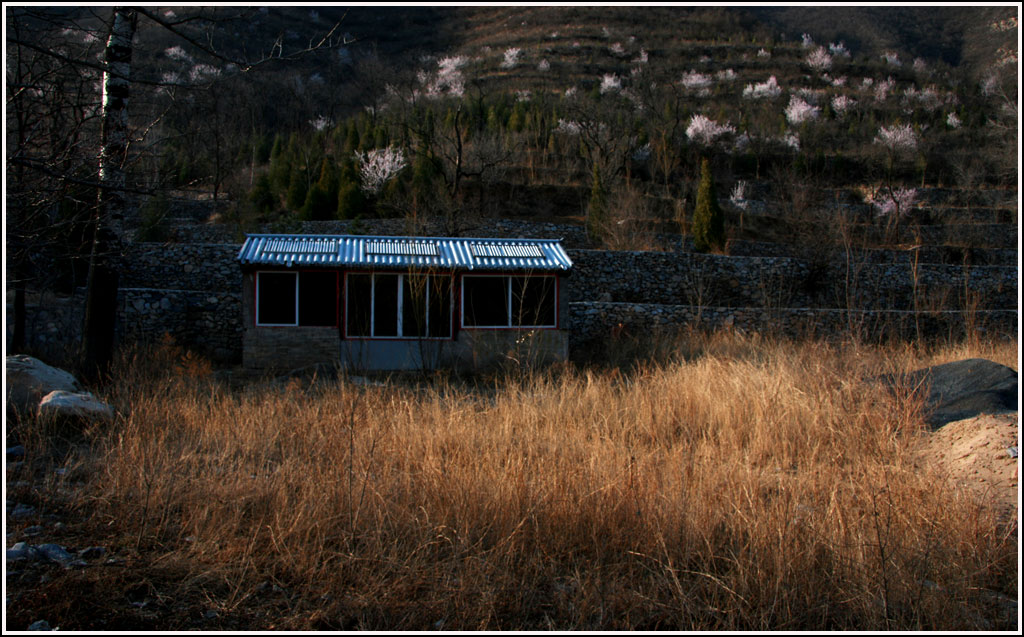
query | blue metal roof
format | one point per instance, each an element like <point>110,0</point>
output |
<point>381,252</point>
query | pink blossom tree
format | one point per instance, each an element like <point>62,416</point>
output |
<point>798,111</point>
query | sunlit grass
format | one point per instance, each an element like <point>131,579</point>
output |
<point>747,485</point>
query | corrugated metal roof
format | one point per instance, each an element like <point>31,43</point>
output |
<point>403,252</point>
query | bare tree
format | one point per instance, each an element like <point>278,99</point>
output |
<point>88,138</point>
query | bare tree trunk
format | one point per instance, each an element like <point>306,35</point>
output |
<point>108,222</point>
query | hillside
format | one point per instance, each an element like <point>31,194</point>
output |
<point>822,126</point>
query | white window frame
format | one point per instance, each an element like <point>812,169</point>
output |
<point>400,308</point>
<point>296,300</point>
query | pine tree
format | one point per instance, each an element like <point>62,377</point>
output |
<point>708,219</point>
<point>597,208</point>
<point>297,188</point>
<point>262,195</point>
<point>351,200</point>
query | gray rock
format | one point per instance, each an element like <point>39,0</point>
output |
<point>21,551</point>
<point>963,389</point>
<point>23,511</point>
<point>16,452</point>
<point>42,624</point>
<point>29,380</point>
<point>55,553</point>
<point>84,405</point>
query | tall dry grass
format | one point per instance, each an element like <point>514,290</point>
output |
<point>746,485</point>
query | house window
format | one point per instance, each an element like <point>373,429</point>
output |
<point>508,301</point>
<point>297,298</point>
<point>398,305</point>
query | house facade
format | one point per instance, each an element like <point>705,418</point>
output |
<point>377,303</point>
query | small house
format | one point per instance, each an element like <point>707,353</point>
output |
<point>373,303</point>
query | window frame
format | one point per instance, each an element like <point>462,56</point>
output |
<point>400,307</point>
<point>510,304</point>
<point>297,285</point>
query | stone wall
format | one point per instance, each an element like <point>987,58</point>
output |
<point>773,282</point>
<point>210,322</point>
<point>182,266</point>
<point>595,324</point>
<point>193,292</point>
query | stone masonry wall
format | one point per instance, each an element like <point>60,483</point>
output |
<point>193,292</point>
<point>774,282</point>
<point>595,324</point>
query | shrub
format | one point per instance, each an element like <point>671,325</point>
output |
<point>708,219</point>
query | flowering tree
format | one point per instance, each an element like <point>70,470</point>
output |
<point>728,75</point>
<point>842,103</point>
<point>511,57</point>
<point>895,202</point>
<point>839,50</point>
<point>738,197</point>
<point>897,139</point>
<point>448,80</point>
<point>610,83</point>
<point>891,58</point>
<point>798,111</point>
<point>882,89</point>
<point>321,122</point>
<point>819,60</point>
<point>696,82</point>
<point>765,90</point>
<point>378,166</point>
<point>705,131</point>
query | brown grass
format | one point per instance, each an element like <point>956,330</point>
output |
<point>747,485</point>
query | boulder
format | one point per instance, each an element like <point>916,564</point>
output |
<point>29,380</point>
<point>963,389</point>
<point>76,406</point>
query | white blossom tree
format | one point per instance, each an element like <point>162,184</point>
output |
<point>898,139</point>
<point>819,60</point>
<point>511,57</point>
<point>610,83</point>
<point>893,202</point>
<point>839,49</point>
<point>378,166</point>
<point>768,89</point>
<point>798,111</point>
<point>696,82</point>
<point>705,131</point>
<point>841,104</point>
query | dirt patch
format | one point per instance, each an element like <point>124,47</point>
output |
<point>978,454</point>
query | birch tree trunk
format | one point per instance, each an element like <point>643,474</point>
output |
<point>108,222</point>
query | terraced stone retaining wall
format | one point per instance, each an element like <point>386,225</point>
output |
<point>193,293</point>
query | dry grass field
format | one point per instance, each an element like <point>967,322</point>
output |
<point>739,483</point>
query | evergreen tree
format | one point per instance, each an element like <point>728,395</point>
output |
<point>319,205</point>
<point>351,200</point>
<point>708,219</point>
<point>322,199</point>
<point>262,195</point>
<point>598,207</point>
<point>297,188</point>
